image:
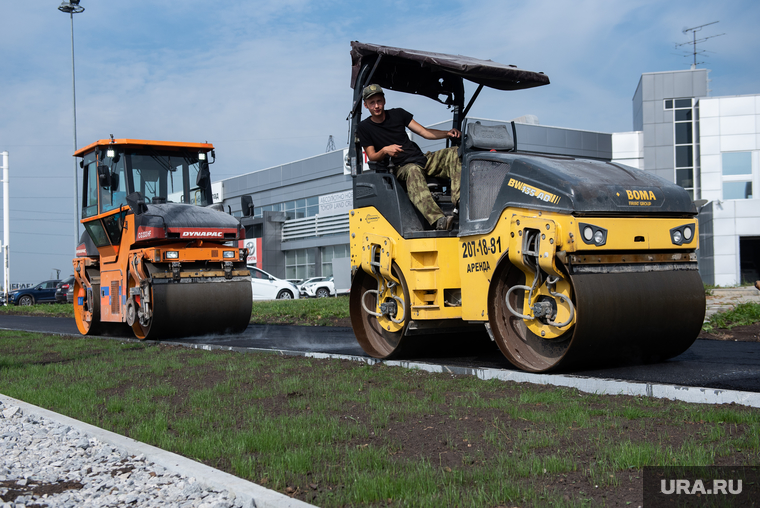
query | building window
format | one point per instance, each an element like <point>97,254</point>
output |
<point>737,175</point>
<point>296,209</point>
<point>330,252</point>
<point>685,125</point>
<point>259,210</point>
<point>301,208</point>
<point>299,264</point>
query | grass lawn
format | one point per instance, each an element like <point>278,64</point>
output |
<point>340,433</point>
<point>304,311</point>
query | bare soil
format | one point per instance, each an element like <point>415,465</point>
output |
<point>455,438</point>
<point>749,333</point>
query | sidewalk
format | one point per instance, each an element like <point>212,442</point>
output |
<point>724,299</point>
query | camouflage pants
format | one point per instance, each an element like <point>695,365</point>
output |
<point>443,163</point>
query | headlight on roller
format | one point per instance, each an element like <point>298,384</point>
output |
<point>682,234</point>
<point>593,235</point>
<point>172,254</point>
<point>228,254</point>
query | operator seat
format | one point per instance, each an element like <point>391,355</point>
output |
<point>479,137</point>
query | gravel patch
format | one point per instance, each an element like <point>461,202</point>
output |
<point>47,464</point>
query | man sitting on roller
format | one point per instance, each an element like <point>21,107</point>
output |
<point>383,135</point>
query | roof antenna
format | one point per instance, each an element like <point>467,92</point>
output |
<point>330,144</point>
<point>694,41</point>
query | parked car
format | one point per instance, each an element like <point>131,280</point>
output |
<point>269,287</point>
<point>70,293</point>
<point>319,287</point>
<point>42,292</point>
<point>62,288</point>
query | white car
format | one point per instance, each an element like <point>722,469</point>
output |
<point>269,287</point>
<point>319,287</point>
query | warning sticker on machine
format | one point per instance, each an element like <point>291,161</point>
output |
<point>533,191</point>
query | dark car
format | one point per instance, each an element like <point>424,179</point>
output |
<point>70,293</point>
<point>62,288</point>
<point>42,292</point>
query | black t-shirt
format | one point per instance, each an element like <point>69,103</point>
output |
<point>391,131</point>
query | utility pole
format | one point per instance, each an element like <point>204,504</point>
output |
<point>72,7</point>
<point>6,230</point>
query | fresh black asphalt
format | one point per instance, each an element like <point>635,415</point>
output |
<point>708,364</point>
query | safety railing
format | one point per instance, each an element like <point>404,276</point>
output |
<point>308,227</point>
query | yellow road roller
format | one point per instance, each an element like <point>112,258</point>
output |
<point>565,262</point>
<point>157,256</point>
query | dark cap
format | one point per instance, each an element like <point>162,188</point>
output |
<point>371,90</point>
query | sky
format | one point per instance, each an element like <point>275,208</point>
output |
<point>267,82</point>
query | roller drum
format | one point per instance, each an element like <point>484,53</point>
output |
<point>635,317</point>
<point>621,317</point>
<point>188,309</point>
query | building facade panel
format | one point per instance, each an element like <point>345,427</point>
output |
<point>725,227</point>
<point>663,134</point>
<point>648,112</point>
<point>749,208</point>
<point>647,87</point>
<point>726,269</point>
<point>748,226</point>
<point>712,185</point>
<point>737,106</point>
<point>709,108</point>
<point>725,245</point>
<point>709,127</point>
<point>664,159</point>
<point>668,85</point>
<point>738,124</point>
<point>682,85</point>
<point>738,142</point>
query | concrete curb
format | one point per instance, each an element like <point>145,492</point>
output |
<point>251,494</point>
<point>692,394</point>
<point>698,395</point>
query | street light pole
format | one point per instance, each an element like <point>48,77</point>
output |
<point>72,7</point>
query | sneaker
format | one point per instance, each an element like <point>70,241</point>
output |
<point>444,223</point>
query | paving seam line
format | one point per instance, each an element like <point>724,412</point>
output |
<point>251,494</point>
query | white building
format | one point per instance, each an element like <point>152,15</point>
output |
<point>729,135</point>
<point>711,147</point>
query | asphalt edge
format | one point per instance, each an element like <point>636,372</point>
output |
<point>252,495</point>
<point>691,394</point>
<point>680,393</point>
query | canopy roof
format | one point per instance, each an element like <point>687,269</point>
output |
<point>436,74</point>
<point>142,143</point>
